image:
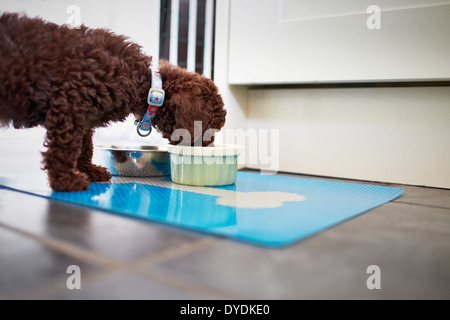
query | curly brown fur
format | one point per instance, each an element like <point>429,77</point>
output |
<point>72,81</point>
<point>189,97</point>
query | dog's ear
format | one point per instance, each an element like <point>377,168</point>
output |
<point>164,64</point>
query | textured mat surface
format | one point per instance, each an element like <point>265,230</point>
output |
<point>262,209</point>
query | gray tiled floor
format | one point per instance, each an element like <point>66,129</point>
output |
<point>414,260</point>
<point>123,286</point>
<point>121,258</point>
<point>26,264</point>
<point>120,239</point>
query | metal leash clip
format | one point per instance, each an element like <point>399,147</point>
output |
<point>138,125</point>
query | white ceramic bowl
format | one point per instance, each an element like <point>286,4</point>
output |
<point>204,166</point>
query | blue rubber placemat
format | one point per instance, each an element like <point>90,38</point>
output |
<point>263,209</point>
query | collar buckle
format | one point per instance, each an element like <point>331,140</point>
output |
<point>156,97</point>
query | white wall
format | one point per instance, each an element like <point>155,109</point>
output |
<point>398,135</point>
<point>138,19</point>
<point>234,97</point>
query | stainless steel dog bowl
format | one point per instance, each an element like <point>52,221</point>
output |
<point>134,161</point>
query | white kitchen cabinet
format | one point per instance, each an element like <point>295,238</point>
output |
<point>328,41</point>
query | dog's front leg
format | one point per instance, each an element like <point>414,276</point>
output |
<point>64,141</point>
<point>94,172</point>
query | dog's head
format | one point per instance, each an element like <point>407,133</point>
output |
<point>193,109</point>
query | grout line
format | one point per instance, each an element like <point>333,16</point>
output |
<point>185,284</point>
<point>69,249</point>
<point>111,266</point>
<point>421,205</point>
<point>179,281</point>
<point>174,252</point>
<point>53,287</point>
<point>91,257</point>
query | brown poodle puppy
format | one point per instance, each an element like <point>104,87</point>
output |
<point>74,80</point>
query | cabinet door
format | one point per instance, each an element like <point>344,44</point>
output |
<point>309,41</point>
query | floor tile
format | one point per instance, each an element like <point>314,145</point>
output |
<point>411,245</point>
<point>425,196</point>
<point>27,265</point>
<point>409,239</point>
<point>123,286</point>
<point>104,233</point>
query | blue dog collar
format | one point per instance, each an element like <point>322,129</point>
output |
<point>155,100</point>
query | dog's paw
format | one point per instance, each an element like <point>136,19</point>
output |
<point>69,182</point>
<point>98,174</point>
